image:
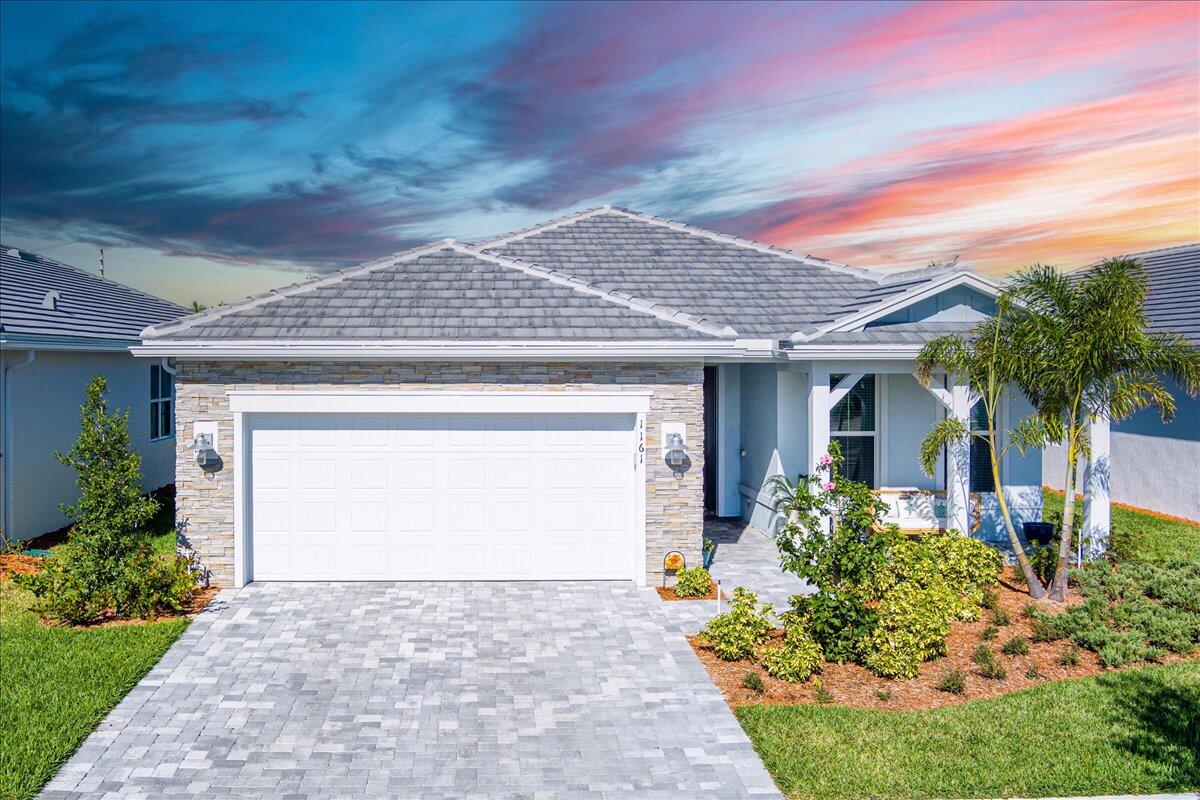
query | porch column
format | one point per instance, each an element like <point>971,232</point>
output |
<point>958,400</point>
<point>819,406</point>
<point>1097,510</point>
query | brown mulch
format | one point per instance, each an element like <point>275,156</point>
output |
<point>668,593</point>
<point>855,687</point>
<point>19,564</point>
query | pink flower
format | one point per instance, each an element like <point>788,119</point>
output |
<point>829,486</point>
<point>826,460</point>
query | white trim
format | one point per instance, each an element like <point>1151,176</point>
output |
<point>848,382</point>
<point>451,350</point>
<point>241,457</point>
<point>834,352</point>
<point>881,425</point>
<point>447,402</point>
<point>902,300</point>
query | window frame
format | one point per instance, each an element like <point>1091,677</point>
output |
<point>158,400</point>
<point>876,433</point>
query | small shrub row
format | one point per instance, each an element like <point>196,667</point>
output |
<point>694,582</point>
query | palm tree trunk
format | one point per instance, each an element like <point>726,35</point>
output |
<point>1036,590</point>
<point>1058,587</point>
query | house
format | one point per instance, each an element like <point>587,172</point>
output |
<point>59,327</point>
<point>1155,465</point>
<point>563,402</point>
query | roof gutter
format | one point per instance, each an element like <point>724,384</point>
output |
<point>391,350</point>
<point>63,343</point>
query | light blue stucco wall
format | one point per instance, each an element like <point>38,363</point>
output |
<point>911,411</point>
<point>46,396</point>
<point>759,440</point>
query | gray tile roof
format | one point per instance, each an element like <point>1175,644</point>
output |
<point>438,292</point>
<point>604,274</point>
<point>1173,304</point>
<point>758,290</point>
<point>899,333</point>
<point>80,304</point>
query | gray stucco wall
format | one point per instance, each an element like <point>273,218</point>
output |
<point>204,501</point>
<point>46,396</point>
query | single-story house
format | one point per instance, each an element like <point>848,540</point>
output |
<point>515,409</point>
<point>1154,464</point>
<point>59,327</point>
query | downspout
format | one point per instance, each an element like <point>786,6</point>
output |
<point>6,492</point>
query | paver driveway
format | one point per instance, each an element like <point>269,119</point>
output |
<point>423,691</point>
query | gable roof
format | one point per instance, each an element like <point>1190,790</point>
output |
<point>1173,302</point>
<point>40,297</point>
<point>442,291</point>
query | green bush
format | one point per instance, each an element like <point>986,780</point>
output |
<point>1033,673</point>
<point>106,565</point>
<point>988,633</point>
<point>1070,658</point>
<point>839,623</point>
<point>1044,560</point>
<point>1001,618</point>
<point>953,681</point>
<point>912,627</point>
<point>967,567</point>
<point>1122,649</point>
<point>737,633</point>
<point>796,660</point>
<point>1124,544</point>
<point>989,666</point>
<point>694,582</point>
<point>991,600</point>
<point>1016,646</point>
<point>753,681</point>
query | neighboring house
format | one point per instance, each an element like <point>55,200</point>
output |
<point>1155,464</point>
<point>59,327</point>
<point>507,410</point>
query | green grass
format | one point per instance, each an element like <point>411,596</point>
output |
<point>1129,732</point>
<point>1158,539</point>
<point>56,684</point>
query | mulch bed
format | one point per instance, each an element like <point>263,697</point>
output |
<point>855,687</point>
<point>18,564</point>
<point>668,593</point>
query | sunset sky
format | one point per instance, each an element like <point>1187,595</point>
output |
<point>217,150</point>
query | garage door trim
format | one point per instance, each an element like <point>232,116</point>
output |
<point>245,404</point>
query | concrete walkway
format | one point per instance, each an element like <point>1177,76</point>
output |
<point>514,690</point>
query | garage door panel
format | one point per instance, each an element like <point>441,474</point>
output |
<point>443,497</point>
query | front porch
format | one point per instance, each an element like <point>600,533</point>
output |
<point>767,419</point>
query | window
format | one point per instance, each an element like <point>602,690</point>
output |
<point>981,459</point>
<point>162,394</point>
<point>852,426</point>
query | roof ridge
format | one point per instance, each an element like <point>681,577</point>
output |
<point>658,310</point>
<point>1188,246</point>
<point>292,289</point>
<point>694,230</point>
<point>728,238</point>
<point>550,225</point>
<point>43,259</point>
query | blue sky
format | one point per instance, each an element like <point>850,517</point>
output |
<point>218,149</point>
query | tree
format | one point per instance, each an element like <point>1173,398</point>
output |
<point>987,359</point>
<point>1085,353</point>
<point>197,307</point>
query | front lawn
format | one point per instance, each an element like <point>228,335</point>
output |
<point>1130,732</point>
<point>57,683</point>
<point>1158,539</point>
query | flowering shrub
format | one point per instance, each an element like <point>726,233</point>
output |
<point>738,632</point>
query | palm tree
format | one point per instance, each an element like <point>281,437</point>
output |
<point>197,307</point>
<point>1085,353</point>
<point>990,364</point>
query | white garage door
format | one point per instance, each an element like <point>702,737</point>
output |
<point>443,497</point>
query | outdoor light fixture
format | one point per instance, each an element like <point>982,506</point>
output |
<point>674,446</point>
<point>202,446</point>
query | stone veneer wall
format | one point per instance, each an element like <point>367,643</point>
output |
<point>204,501</point>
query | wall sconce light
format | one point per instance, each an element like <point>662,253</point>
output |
<point>674,446</point>
<point>202,446</point>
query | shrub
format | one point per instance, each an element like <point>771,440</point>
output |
<point>1030,610</point>
<point>989,666</point>
<point>737,633</point>
<point>1016,646</point>
<point>1042,630</point>
<point>912,627</point>
<point>839,623</point>
<point>988,633</point>
<point>953,681</point>
<point>107,564</point>
<point>1033,674</point>
<point>796,660</point>
<point>1070,658</point>
<point>1044,560</point>
<point>753,681</point>
<point>694,582</point>
<point>1001,618</point>
<point>1122,649</point>
<point>991,600</point>
<point>966,567</point>
<point>883,695</point>
<point>823,695</point>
